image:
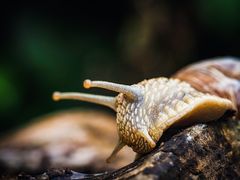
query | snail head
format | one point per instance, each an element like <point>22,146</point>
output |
<point>133,117</point>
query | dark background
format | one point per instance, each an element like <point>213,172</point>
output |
<point>55,45</point>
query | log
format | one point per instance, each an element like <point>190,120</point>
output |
<point>202,151</point>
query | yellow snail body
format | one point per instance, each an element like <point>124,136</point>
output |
<point>146,109</point>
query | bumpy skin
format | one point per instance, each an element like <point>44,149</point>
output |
<point>164,102</point>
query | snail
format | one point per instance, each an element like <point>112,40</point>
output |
<point>201,92</point>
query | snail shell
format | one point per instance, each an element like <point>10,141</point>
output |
<point>218,77</point>
<point>147,109</point>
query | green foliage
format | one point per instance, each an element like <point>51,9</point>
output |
<point>9,95</point>
<point>220,15</point>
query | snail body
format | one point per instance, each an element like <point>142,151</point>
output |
<point>146,109</point>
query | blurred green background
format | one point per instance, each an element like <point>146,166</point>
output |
<point>55,45</point>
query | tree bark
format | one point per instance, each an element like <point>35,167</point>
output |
<point>202,151</point>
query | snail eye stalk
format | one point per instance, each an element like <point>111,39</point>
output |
<point>132,92</point>
<point>98,99</point>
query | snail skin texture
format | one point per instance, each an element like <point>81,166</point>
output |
<point>147,109</point>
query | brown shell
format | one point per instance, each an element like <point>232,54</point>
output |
<point>218,77</point>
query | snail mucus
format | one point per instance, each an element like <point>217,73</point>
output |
<point>146,109</point>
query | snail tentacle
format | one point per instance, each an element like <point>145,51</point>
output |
<point>132,92</point>
<point>98,99</point>
<point>115,151</point>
